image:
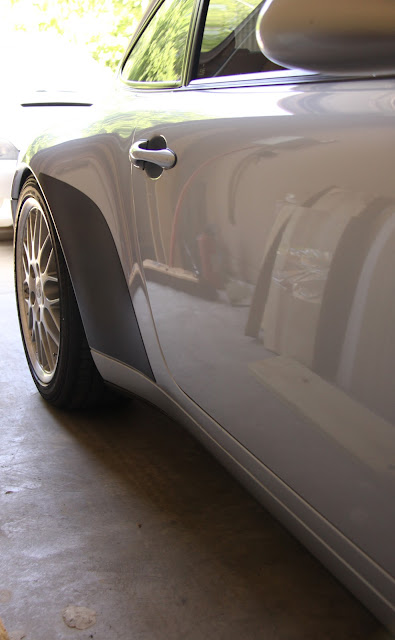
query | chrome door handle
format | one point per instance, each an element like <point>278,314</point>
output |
<point>163,158</point>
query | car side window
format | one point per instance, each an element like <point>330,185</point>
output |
<point>158,54</point>
<point>229,45</point>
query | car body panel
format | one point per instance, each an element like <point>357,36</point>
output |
<point>286,164</point>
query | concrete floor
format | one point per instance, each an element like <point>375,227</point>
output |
<point>125,514</point>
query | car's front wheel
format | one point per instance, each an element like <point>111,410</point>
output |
<point>55,344</point>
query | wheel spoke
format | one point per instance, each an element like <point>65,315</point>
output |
<point>47,351</point>
<point>51,322</point>
<point>50,270</point>
<point>36,234</point>
<point>45,253</point>
<point>27,243</point>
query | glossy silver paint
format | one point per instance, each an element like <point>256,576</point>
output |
<point>260,267</point>
<point>288,342</point>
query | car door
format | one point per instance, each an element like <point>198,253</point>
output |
<point>266,240</point>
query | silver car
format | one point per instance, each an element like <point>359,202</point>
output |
<point>219,238</point>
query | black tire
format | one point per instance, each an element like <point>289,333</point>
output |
<point>53,336</point>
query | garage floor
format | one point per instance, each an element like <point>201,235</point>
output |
<point>124,514</point>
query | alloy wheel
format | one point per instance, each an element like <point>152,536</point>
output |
<point>39,292</point>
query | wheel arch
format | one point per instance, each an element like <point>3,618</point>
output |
<point>99,285</point>
<point>22,174</point>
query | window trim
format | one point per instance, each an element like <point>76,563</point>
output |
<point>261,79</point>
<point>196,41</point>
<point>280,76</point>
<point>161,84</point>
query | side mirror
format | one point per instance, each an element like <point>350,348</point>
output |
<point>329,36</point>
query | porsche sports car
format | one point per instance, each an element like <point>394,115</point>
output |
<point>218,237</point>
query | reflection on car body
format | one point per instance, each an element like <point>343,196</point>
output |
<point>229,240</point>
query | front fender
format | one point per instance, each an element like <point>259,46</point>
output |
<point>96,273</point>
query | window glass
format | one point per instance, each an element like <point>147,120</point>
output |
<point>158,54</point>
<point>229,44</point>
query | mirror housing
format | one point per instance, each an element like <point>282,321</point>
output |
<point>329,36</point>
